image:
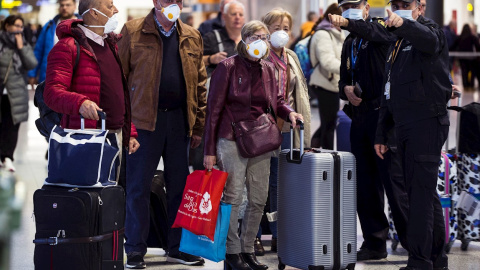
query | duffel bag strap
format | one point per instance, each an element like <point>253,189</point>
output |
<point>53,241</point>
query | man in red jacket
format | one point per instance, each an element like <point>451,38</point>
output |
<point>98,83</point>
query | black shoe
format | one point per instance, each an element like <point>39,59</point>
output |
<point>235,262</point>
<point>274,245</point>
<point>441,268</point>
<point>258,247</point>
<point>135,261</point>
<point>186,259</point>
<point>252,261</point>
<point>365,254</point>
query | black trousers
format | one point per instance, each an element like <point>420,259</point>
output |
<point>328,105</point>
<point>373,179</point>
<point>420,144</point>
<point>8,131</point>
<point>171,142</point>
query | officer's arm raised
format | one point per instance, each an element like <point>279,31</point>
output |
<point>424,38</point>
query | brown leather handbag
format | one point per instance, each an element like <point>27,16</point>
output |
<point>256,137</point>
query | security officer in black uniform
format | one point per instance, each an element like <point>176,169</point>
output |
<point>416,92</point>
<point>362,70</point>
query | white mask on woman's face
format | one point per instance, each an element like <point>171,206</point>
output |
<point>256,49</point>
<point>111,24</point>
<point>172,12</point>
<point>279,39</point>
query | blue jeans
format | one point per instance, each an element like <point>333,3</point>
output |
<point>272,187</point>
<point>170,141</point>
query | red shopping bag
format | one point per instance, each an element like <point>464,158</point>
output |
<point>200,202</point>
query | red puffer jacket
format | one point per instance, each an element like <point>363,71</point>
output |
<point>65,94</point>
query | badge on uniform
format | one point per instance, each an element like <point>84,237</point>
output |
<point>387,90</point>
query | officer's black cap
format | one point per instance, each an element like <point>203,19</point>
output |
<point>343,2</point>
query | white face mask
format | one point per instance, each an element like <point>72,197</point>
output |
<point>256,49</point>
<point>172,12</point>
<point>405,14</point>
<point>279,39</point>
<point>353,14</point>
<point>111,24</point>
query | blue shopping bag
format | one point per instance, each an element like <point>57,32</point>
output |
<point>200,245</point>
<point>82,158</point>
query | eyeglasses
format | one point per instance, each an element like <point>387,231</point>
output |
<point>263,37</point>
<point>18,26</point>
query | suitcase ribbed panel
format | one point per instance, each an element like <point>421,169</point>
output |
<point>305,211</point>
<point>348,219</point>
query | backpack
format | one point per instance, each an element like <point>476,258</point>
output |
<point>302,49</point>
<point>49,118</point>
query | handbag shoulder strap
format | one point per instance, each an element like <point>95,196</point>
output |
<point>219,40</point>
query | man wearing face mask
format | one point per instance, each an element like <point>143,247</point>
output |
<point>416,91</point>
<point>364,55</point>
<point>162,59</point>
<point>98,83</point>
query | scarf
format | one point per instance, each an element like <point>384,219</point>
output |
<point>7,41</point>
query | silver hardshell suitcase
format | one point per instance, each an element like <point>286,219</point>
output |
<point>317,226</point>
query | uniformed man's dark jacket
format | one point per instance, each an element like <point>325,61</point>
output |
<point>420,86</point>
<point>369,69</point>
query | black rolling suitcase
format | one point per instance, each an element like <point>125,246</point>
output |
<point>157,236</point>
<point>79,229</point>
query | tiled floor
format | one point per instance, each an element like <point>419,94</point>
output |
<point>31,169</point>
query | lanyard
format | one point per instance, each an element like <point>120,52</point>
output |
<point>394,55</point>
<point>355,55</point>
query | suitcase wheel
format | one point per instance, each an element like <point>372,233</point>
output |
<point>465,243</point>
<point>394,244</point>
<point>281,265</point>
<point>448,246</point>
<point>351,267</point>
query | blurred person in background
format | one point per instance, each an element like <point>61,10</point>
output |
<point>227,37</point>
<point>450,32</point>
<point>467,42</point>
<point>32,32</point>
<point>325,54</point>
<point>294,89</point>
<point>307,26</point>
<point>189,20</point>
<point>48,38</point>
<point>16,58</point>
<point>215,23</point>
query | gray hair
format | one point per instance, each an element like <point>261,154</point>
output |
<point>236,3</point>
<point>84,5</point>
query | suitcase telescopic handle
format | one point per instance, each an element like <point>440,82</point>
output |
<point>103,116</point>
<point>302,134</point>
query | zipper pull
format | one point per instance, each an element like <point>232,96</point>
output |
<point>240,80</point>
<point>100,202</point>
